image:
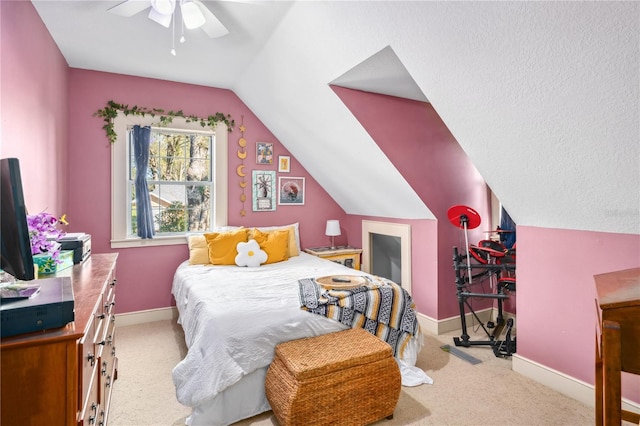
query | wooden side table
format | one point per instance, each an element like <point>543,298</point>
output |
<point>347,256</point>
<point>619,344</point>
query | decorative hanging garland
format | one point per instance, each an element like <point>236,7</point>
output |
<point>242,154</point>
<point>110,112</point>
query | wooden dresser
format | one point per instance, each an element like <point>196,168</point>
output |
<point>64,376</point>
<point>619,344</point>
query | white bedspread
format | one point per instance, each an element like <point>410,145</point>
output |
<point>233,318</point>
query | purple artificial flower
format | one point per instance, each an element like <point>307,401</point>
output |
<point>44,234</point>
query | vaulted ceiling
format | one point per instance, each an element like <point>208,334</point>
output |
<point>543,96</point>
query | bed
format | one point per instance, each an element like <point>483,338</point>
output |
<point>233,317</point>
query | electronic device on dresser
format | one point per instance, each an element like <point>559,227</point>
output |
<point>52,307</point>
<point>17,259</point>
<point>79,242</point>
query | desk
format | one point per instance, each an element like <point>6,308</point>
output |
<point>619,344</point>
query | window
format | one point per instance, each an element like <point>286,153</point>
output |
<point>187,178</point>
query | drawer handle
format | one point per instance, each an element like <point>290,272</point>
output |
<point>108,382</point>
<point>113,351</point>
<point>91,358</point>
<point>104,368</point>
<point>114,282</point>
<point>102,343</point>
<point>101,316</point>
<point>92,418</point>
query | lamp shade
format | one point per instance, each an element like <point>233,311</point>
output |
<point>333,228</point>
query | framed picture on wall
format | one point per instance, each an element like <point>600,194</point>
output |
<point>263,190</point>
<point>291,191</point>
<point>284,164</point>
<point>264,153</point>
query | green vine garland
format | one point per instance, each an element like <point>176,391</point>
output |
<point>111,111</point>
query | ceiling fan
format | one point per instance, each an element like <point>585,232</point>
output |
<point>194,14</point>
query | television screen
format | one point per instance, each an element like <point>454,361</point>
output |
<point>17,259</point>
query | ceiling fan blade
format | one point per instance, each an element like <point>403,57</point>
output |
<point>252,2</point>
<point>129,7</point>
<point>213,27</point>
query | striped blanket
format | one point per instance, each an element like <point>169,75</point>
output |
<point>380,306</point>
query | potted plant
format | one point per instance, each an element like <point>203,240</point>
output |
<point>44,235</point>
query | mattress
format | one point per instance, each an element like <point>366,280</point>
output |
<point>233,317</point>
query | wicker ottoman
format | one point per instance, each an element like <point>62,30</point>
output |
<point>345,378</point>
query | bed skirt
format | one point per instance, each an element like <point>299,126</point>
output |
<point>242,400</point>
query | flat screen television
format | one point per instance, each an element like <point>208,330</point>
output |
<point>17,259</point>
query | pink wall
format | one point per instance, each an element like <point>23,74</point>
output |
<point>34,107</point>
<point>145,274</point>
<point>420,146</point>
<point>556,296</point>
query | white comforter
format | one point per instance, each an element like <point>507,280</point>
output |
<point>233,317</point>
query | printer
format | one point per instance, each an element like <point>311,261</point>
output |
<point>79,242</point>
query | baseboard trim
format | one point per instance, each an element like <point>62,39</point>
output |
<point>566,385</point>
<point>448,325</point>
<point>150,315</point>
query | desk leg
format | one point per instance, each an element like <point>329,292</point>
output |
<point>599,396</point>
<point>611,364</point>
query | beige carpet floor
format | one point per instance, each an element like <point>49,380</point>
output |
<point>489,393</point>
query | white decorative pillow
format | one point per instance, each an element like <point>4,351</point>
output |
<point>250,254</point>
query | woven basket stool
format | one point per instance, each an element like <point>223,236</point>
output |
<point>344,378</point>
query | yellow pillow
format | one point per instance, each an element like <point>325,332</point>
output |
<point>198,250</point>
<point>275,243</point>
<point>291,229</point>
<point>222,245</point>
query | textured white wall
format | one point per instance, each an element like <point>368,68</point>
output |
<point>543,96</point>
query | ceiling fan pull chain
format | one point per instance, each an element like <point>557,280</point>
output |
<point>182,39</point>
<point>173,36</point>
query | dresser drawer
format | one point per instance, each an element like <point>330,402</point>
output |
<point>88,360</point>
<point>107,358</point>
<point>90,410</point>
<point>108,377</point>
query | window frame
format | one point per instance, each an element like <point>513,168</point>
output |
<point>120,181</point>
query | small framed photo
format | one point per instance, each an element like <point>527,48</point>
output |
<point>291,191</point>
<point>263,190</point>
<point>284,163</point>
<point>264,153</point>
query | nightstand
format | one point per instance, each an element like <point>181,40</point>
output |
<point>348,256</point>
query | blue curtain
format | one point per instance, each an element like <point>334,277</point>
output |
<point>506,223</point>
<point>141,142</point>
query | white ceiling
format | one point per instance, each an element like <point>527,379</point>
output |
<point>543,96</point>
<point>139,46</point>
<point>92,38</point>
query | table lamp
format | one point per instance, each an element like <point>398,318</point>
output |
<point>333,229</point>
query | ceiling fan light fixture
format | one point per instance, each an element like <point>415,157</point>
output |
<point>163,7</point>
<point>191,14</point>
<point>164,20</point>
